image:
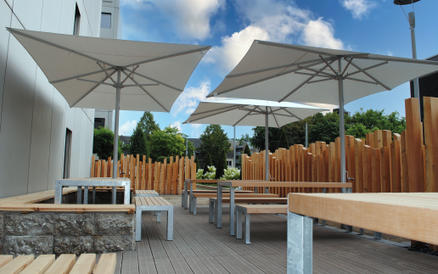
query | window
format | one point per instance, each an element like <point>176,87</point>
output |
<point>99,122</point>
<point>105,20</point>
<point>77,22</point>
<point>67,153</point>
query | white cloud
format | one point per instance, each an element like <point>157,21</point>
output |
<point>177,125</point>
<point>128,128</point>
<point>279,21</point>
<point>358,8</point>
<point>191,18</point>
<point>189,99</point>
<point>320,33</point>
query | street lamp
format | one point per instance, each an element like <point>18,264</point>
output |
<point>411,19</point>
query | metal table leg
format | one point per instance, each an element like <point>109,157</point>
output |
<point>114,195</point>
<point>79,195</point>
<point>85,194</point>
<point>232,206</point>
<point>299,243</point>
<point>94,195</point>
<point>58,193</point>
<point>219,206</point>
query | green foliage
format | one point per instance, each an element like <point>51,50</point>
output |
<point>148,125</point>
<point>191,148</point>
<point>213,149</point>
<point>165,143</point>
<point>326,128</point>
<point>231,173</point>
<point>247,151</point>
<point>210,174</point>
<point>138,142</point>
<point>199,173</point>
<point>103,143</point>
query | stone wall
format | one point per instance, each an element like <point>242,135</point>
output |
<point>59,232</point>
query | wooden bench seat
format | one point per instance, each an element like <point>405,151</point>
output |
<point>65,263</point>
<point>242,200</point>
<point>195,196</point>
<point>249,209</point>
<point>36,197</point>
<point>146,193</point>
<point>153,204</point>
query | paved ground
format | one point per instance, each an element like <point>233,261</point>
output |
<point>199,247</point>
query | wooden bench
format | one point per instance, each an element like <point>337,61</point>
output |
<point>242,200</point>
<point>247,210</point>
<point>153,204</point>
<point>146,193</point>
<point>65,263</point>
<point>238,193</point>
<point>411,216</point>
<point>36,197</point>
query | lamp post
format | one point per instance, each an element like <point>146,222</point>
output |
<point>411,19</point>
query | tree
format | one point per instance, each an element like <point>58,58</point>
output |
<point>213,149</point>
<point>325,127</point>
<point>138,142</point>
<point>247,151</point>
<point>148,125</point>
<point>103,143</point>
<point>165,143</point>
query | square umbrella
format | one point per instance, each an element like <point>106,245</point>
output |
<point>250,112</point>
<point>284,72</point>
<point>112,74</point>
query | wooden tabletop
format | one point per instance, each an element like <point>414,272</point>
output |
<point>246,183</point>
<point>409,215</point>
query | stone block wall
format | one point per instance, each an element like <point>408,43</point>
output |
<point>59,232</point>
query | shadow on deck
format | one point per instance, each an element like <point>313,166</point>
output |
<point>198,247</point>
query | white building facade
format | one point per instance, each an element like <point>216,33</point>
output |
<point>41,138</point>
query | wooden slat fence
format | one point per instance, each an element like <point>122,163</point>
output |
<point>382,162</point>
<point>165,177</point>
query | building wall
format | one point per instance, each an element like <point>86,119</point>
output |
<point>33,114</point>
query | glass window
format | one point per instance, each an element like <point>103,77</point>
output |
<point>99,122</point>
<point>105,20</point>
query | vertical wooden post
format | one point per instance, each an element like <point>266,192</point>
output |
<point>414,142</point>
<point>396,164</point>
<point>93,164</point>
<point>431,138</point>
<point>180,174</point>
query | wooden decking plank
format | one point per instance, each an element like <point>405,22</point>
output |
<point>39,265</point>
<point>119,263</point>
<point>62,265</point>
<point>130,262</point>
<point>17,264</point>
<point>145,260</point>
<point>161,259</point>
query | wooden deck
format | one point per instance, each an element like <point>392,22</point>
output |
<point>198,247</point>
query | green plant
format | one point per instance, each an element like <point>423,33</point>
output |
<point>231,173</point>
<point>200,173</point>
<point>210,174</point>
<point>103,143</point>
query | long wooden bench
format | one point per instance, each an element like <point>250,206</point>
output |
<point>244,211</point>
<point>190,194</point>
<point>242,200</point>
<point>153,204</point>
<point>146,193</point>
<point>411,216</point>
<point>36,197</point>
<point>65,263</point>
<point>195,196</point>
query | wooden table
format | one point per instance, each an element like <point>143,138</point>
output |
<point>243,183</point>
<point>93,182</point>
<point>412,216</point>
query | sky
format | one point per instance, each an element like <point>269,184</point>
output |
<point>229,27</point>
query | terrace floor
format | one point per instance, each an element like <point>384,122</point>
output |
<point>198,247</point>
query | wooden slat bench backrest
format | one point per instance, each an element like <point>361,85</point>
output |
<point>151,201</point>
<point>213,195</point>
<point>17,264</point>
<point>84,264</point>
<point>39,265</point>
<point>63,264</point>
<point>4,259</point>
<point>264,209</point>
<point>411,216</point>
<point>107,264</point>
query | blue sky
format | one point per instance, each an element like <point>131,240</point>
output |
<point>375,26</point>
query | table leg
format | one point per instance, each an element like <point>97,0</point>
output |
<point>232,212</point>
<point>79,195</point>
<point>299,243</point>
<point>127,198</point>
<point>94,194</point>
<point>58,193</point>
<point>191,197</point>
<point>219,206</point>
<point>114,197</point>
<point>184,196</point>
<point>85,194</point>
